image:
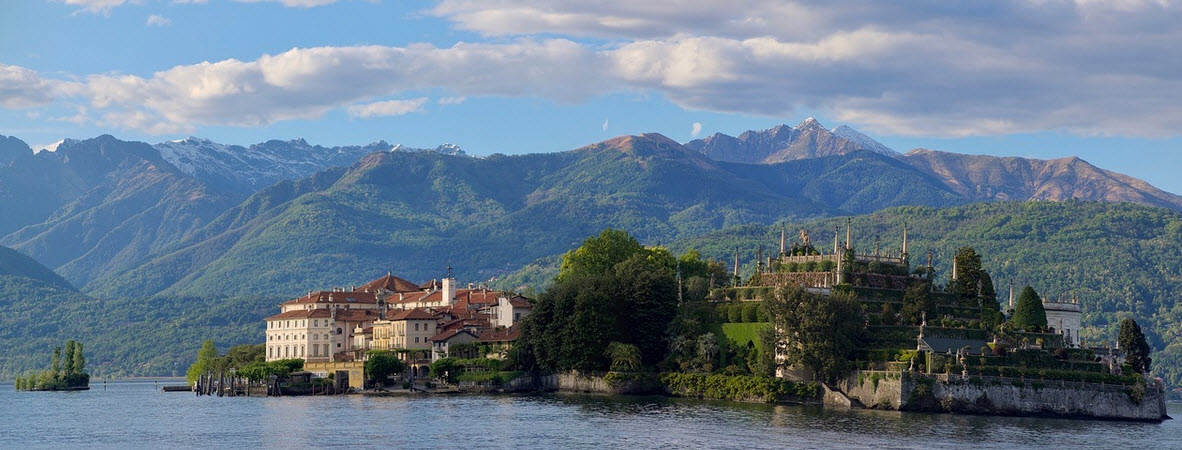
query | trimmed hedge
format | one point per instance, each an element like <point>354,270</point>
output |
<point>738,387</point>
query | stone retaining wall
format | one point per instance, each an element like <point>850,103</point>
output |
<point>1002,396</point>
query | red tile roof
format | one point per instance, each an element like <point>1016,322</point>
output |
<point>334,297</point>
<point>302,314</point>
<point>502,335</point>
<point>343,315</point>
<point>447,335</point>
<point>412,314</point>
<point>390,283</point>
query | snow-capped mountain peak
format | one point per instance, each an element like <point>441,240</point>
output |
<point>863,140</point>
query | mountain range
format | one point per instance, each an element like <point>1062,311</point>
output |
<point>186,235</point>
<point>195,217</point>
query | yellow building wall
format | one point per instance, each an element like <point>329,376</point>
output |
<point>356,370</point>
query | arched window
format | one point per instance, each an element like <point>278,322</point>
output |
<point>340,331</point>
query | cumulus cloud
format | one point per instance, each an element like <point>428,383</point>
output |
<point>23,88</point>
<point>158,21</point>
<point>696,129</point>
<point>904,68</point>
<point>387,108</point>
<point>914,68</point>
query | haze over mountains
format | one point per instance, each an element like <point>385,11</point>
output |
<point>195,217</point>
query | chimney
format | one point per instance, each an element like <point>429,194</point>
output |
<point>449,289</point>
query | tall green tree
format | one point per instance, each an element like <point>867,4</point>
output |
<point>599,254</point>
<point>1028,312</point>
<point>55,365</point>
<point>380,364</point>
<point>917,300</point>
<point>79,360</point>
<point>68,359</point>
<point>1136,348</point>
<point>970,276</point>
<point>592,303</point>
<point>818,333</point>
<point>205,360</point>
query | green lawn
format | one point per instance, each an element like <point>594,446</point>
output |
<point>740,333</point>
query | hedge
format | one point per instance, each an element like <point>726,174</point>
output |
<point>738,387</point>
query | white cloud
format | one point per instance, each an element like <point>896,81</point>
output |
<point>387,108</point>
<point>23,88</point>
<point>294,3</point>
<point>451,100</point>
<point>97,6</point>
<point>987,68</point>
<point>696,129</point>
<point>604,124</point>
<point>158,21</point>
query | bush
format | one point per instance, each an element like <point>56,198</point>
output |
<point>751,312</point>
<point>741,388</point>
<point>734,313</point>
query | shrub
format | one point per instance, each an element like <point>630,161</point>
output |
<point>734,313</point>
<point>728,387</point>
<point>751,312</point>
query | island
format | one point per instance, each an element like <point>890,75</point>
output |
<point>841,328</point>
<point>65,373</point>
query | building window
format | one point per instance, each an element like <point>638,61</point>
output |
<point>340,331</point>
<point>316,323</point>
<point>416,339</point>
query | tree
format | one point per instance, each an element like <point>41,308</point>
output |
<point>887,316</point>
<point>599,254</point>
<point>380,364</point>
<point>623,356</point>
<point>590,306</point>
<point>205,357</point>
<point>79,359</point>
<point>1136,348</point>
<point>818,333</point>
<point>970,276</point>
<point>68,359</point>
<point>1028,312</point>
<point>917,300</point>
<point>55,365</point>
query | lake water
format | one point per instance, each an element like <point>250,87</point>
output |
<point>134,414</point>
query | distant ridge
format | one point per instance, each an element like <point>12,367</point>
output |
<point>992,178</point>
<point>785,143</point>
<point>17,264</point>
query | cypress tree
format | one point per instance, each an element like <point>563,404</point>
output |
<point>1133,342</point>
<point>79,359</point>
<point>1029,310</point>
<point>68,359</point>
<point>56,364</point>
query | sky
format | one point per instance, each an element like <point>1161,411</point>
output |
<point>1098,79</point>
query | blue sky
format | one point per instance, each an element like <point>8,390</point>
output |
<point>1045,78</point>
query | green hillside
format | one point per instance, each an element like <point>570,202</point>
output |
<point>418,213</point>
<point>1120,260</point>
<point>16,264</point>
<point>123,337</point>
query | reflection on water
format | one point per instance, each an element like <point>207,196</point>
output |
<point>135,414</point>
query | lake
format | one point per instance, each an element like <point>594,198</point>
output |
<point>135,414</point>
